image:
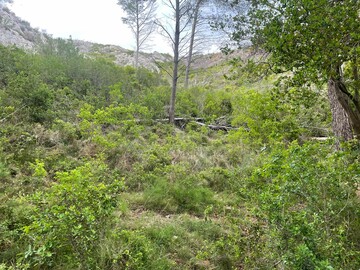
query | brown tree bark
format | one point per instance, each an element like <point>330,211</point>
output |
<point>349,103</point>
<point>340,121</point>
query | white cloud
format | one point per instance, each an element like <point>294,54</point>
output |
<point>91,20</point>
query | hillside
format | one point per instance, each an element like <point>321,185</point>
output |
<point>15,31</point>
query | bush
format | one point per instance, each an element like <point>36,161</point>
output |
<point>181,196</point>
<point>307,196</point>
<point>262,121</point>
<point>133,250</point>
<point>69,219</point>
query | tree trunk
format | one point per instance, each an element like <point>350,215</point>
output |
<point>175,63</point>
<point>340,121</point>
<point>349,103</point>
<point>192,39</point>
<point>137,37</point>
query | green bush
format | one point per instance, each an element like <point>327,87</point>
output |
<point>218,179</point>
<point>186,104</point>
<point>157,100</point>
<point>26,91</point>
<point>69,219</point>
<point>261,120</point>
<point>132,249</point>
<point>307,195</point>
<point>218,104</point>
<point>184,195</point>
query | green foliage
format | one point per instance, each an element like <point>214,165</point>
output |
<point>263,120</point>
<point>39,170</point>
<point>31,95</point>
<point>308,104</point>
<point>303,38</point>
<point>218,104</point>
<point>10,56</point>
<point>69,217</point>
<point>157,100</point>
<point>219,179</point>
<point>112,125</point>
<point>59,47</point>
<point>183,195</point>
<point>135,251</point>
<point>91,180</point>
<point>186,103</point>
<point>306,194</point>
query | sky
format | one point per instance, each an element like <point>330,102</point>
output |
<point>97,21</point>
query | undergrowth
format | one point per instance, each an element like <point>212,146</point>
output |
<point>91,178</point>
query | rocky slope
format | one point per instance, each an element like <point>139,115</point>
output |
<point>15,31</point>
<point>121,56</point>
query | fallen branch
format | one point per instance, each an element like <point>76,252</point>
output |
<point>179,122</point>
<point>321,138</point>
<point>215,127</point>
<point>180,119</point>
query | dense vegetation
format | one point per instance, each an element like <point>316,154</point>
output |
<point>91,179</point>
<point>316,41</point>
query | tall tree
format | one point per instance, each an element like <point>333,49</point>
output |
<point>318,40</point>
<point>141,20</point>
<point>202,34</point>
<point>195,21</point>
<point>177,34</point>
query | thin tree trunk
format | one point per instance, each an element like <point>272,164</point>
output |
<point>137,57</point>
<point>176,62</point>
<point>137,37</point>
<point>191,45</point>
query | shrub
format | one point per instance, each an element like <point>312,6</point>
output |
<point>69,218</point>
<point>307,196</point>
<point>132,249</point>
<point>181,196</point>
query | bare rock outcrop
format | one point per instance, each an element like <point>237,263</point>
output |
<point>17,32</point>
